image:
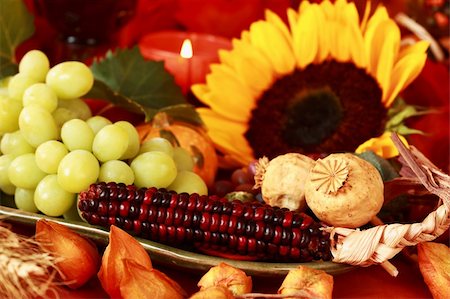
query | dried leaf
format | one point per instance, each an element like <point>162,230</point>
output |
<point>434,263</point>
<point>121,246</point>
<point>305,282</point>
<point>80,259</point>
<point>141,282</point>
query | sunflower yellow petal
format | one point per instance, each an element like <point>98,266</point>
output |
<point>328,9</point>
<point>305,38</point>
<point>228,96</point>
<point>387,40</point>
<point>341,38</point>
<point>366,16</point>
<point>382,146</point>
<point>379,16</point>
<point>323,38</point>
<point>221,122</point>
<point>292,18</point>
<point>253,74</point>
<point>346,13</point>
<point>404,72</point>
<point>419,47</point>
<point>199,90</point>
<point>228,143</point>
<point>225,57</point>
<point>247,70</point>
<point>275,20</point>
<point>245,36</point>
<point>304,5</point>
<point>245,49</point>
<point>357,49</point>
<point>269,40</point>
<point>227,135</point>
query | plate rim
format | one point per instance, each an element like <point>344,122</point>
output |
<point>175,257</point>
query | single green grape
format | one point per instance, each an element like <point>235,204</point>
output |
<point>4,87</point>
<point>76,134</point>
<point>9,189</point>
<point>77,106</point>
<point>23,171</point>
<point>42,95</point>
<point>37,125</point>
<point>62,115</point>
<point>5,161</point>
<point>190,182</point>
<point>133,140</point>
<point>153,169</point>
<point>110,143</point>
<point>116,171</point>
<point>97,122</point>
<point>183,159</point>
<point>70,79</point>
<point>9,115</point>
<point>157,144</point>
<point>51,199</point>
<point>35,64</point>
<point>14,143</point>
<point>77,170</point>
<point>72,213</point>
<point>49,154</point>
<point>24,200</point>
<point>18,84</point>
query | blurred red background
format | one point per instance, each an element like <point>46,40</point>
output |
<point>228,18</point>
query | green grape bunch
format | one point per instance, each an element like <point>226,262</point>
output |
<point>52,147</point>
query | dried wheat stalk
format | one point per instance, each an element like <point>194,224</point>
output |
<point>26,271</point>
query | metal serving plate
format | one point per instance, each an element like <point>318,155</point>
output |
<point>174,257</point>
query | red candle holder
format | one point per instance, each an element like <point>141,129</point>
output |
<point>187,69</point>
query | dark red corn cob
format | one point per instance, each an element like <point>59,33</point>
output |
<point>210,223</point>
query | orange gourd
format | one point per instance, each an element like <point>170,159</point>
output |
<point>188,136</point>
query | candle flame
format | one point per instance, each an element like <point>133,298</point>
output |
<point>186,49</point>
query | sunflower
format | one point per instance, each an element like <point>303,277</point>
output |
<point>322,83</point>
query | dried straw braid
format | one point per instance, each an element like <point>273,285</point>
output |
<point>379,244</point>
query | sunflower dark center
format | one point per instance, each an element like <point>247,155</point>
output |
<point>311,117</point>
<point>324,108</point>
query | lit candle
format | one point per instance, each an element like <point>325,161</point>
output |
<point>186,55</point>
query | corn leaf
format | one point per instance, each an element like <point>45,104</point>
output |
<point>16,25</point>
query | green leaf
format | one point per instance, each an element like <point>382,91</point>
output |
<point>401,111</point>
<point>128,76</point>
<point>16,25</point>
<point>183,112</point>
<point>387,171</point>
<point>102,91</point>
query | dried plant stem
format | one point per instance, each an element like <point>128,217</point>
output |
<point>25,270</point>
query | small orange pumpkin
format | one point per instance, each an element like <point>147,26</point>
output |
<point>190,137</point>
